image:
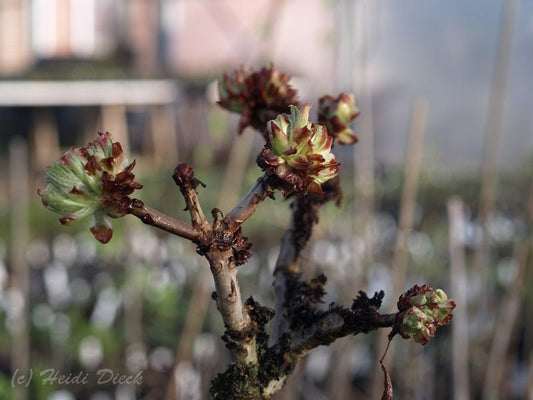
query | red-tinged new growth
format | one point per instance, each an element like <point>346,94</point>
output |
<point>424,308</point>
<point>257,95</point>
<point>336,114</point>
<point>94,180</point>
<point>298,152</point>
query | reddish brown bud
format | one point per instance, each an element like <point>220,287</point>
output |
<point>257,95</point>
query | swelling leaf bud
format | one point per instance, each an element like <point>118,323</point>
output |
<point>336,115</point>
<point>257,95</point>
<point>298,152</point>
<point>232,90</point>
<point>424,308</point>
<point>94,180</point>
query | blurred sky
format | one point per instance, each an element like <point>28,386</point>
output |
<point>446,52</point>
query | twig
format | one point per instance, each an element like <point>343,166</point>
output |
<point>237,165</point>
<point>408,200</point>
<point>248,204</point>
<point>155,218</point>
<point>336,324</point>
<point>184,178</point>
<point>505,324</point>
<point>18,171</point>
<point>509,311</point>
<point>493,126</point>
<point>387,384</point>
<point>364,180</point>
<point>461,386</point>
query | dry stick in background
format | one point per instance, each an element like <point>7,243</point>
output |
<point>406,218</point>
<point>508,315</point>
<point>493,127</point>
<point>45,138</point>
<point>163,134</point>
<point>133,287</point>
<point>133,305</point>
<point>233,178</point>
<point>20,350</point>
<point>530,216</point>
<point>493,133</point>
<point>362,227</point>
<point>113,118</point>
<point>364,171</point>
<point>509,311</point>
<point>458,276</point>
<point>530,387</point>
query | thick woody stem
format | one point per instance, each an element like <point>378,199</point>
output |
<point>228,298</point>
<point>304,216</point>
<point>276,362</point>
<point>155,218</point>
<point>337,324</point>
<point>224,248</point>
<point>230,305</point>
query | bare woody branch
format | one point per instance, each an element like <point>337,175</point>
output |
<point>288,261</point>
<point>184,178</point>
<point>276,362</point>
<point>339,322</point>
<point>230,305</point>
<point>156,218</point>
<point>248,204</point>
<point>304,216</point>
<point>224,249</point>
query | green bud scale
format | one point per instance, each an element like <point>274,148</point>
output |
<point>424,309</point>
<point>95,180</point>
<point>298,152</point>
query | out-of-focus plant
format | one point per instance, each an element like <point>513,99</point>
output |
<point>298,161</point>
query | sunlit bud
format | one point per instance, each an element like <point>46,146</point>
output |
<point>94,180</point>
<point>298,152</point>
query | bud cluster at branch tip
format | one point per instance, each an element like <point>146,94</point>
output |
<point>424,308</point>
<point>257,95</point>
<point>94,180</point>
<point>336,114</point>
<point>298,152</point>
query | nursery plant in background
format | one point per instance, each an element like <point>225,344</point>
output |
<point>297,161</point>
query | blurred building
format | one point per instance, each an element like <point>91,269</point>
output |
<point>102,46</point>
<point>15,41</point>
<point>166,36</point>
<point>388,53</point>
<point>36,30</point>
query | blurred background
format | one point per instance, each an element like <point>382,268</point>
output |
<point>438,190</point>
